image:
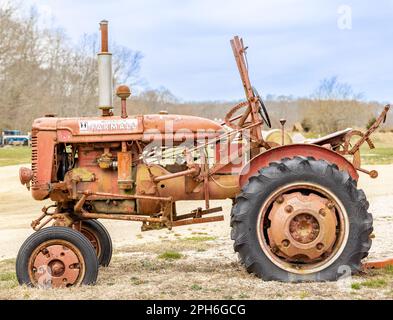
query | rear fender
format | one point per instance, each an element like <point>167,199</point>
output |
<point>290,151</point>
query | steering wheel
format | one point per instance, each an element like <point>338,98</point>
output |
<point>262,109</point>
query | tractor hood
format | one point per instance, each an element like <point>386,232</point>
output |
<point>130,128</point>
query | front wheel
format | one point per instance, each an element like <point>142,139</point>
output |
<point>100,239</point>
<point>299,220</point>
<point>56,257</point>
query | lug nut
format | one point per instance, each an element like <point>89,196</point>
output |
<point>320,246</point>
<point>322,212</point>
<point>280,199</point>
<point>289,208</point>
<point>285,243</point>
<point>330,205</point>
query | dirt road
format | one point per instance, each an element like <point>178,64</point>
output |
<point>17,210</point>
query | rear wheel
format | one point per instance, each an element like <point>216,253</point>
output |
<point>56,257</point>
<point>299,220</point>
<point>100,239</point>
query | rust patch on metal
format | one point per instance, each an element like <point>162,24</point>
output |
<point>295,150</point>
<point>56,264</point>
<point>25,176</point>
<point>377,264</point>
<point>299,230</point>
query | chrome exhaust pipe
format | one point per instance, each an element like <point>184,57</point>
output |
<point>105,77</point>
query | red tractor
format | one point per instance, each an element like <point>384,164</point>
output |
<point>297,213</point>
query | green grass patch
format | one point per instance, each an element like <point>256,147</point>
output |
<point>356,286</point>
<point>7,276</point>
<point>196,287</point>
<point>170,255</point>
<point>374,283</point>
<point>200,238</point>
<point>304,295</point>
<point>14,155</point>
<point>382,154</point>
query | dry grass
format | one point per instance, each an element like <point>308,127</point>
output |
<point>136,272</point>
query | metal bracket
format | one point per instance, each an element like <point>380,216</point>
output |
<point>38,224</point>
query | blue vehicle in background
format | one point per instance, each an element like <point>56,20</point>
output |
<point>14,137</point>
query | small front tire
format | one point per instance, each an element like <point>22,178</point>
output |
<point>99,237</point>
<point>56,257</point>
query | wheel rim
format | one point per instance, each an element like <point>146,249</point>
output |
<point>303,228</point>
<point>56,264</point>
<point>90,234</point>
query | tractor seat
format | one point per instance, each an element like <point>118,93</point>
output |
<point>328,138</point>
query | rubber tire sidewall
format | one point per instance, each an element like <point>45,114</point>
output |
<point>104,238</point>
<point>54,233</point>
<point>248,204</point>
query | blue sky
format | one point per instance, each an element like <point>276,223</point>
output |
<point>293,44</point>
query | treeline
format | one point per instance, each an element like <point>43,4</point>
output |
<point>42,73</point>
<point>317,114</point>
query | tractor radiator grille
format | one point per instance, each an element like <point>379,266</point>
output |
<point>34,157</point>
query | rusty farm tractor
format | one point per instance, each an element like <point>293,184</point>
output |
<point>297,212</point>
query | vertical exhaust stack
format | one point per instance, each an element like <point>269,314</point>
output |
<point>105,77</point>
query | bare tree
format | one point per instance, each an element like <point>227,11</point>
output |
<point>41,72</point>
<point>332,107</point>
<point>332,89</point>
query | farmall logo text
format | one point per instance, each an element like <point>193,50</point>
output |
<point>107,125</point>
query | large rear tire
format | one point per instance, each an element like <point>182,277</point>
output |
<point>300,220</point>
<point>56,257</point>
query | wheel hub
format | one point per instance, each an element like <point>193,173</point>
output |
<point>302,227</point>
<point>55,266</point>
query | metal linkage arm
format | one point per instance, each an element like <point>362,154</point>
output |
<point>374,126</point>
